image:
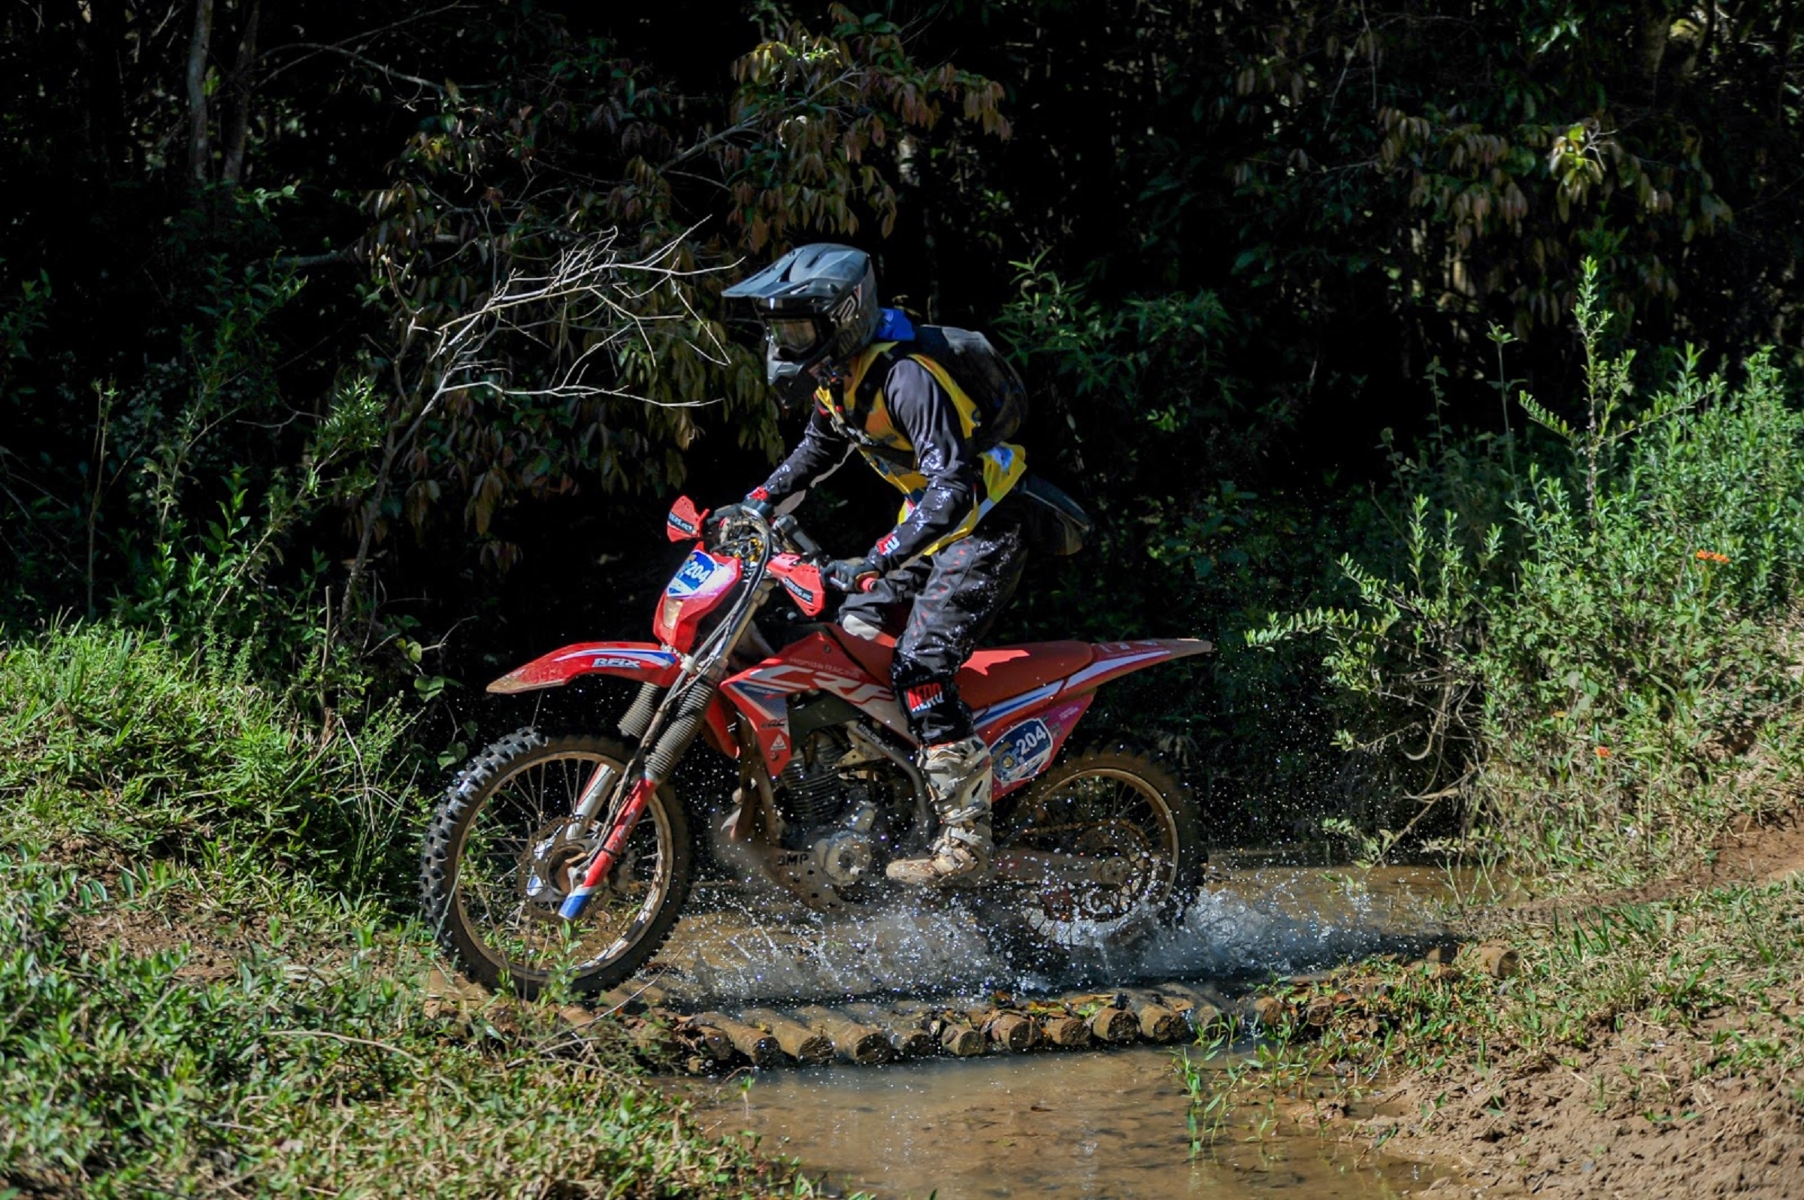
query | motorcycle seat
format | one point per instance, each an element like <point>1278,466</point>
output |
<point>988,676</point>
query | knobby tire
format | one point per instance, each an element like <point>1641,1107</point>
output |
<point>1103,802</point>
<point>481,844</point>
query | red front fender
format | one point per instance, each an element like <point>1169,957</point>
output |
<point>644,661</point>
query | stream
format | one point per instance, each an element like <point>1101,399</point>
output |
<point>1088,1124</point>
<point>1099,1123</point>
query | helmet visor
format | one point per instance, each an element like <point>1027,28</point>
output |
<point>794,338</point>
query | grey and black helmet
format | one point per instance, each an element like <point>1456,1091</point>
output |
<point>818,303</point>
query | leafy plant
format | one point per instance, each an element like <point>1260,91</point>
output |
<point>1591,680</point>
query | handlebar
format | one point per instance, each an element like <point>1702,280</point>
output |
<point>778,533</point>
<point>789,529</point>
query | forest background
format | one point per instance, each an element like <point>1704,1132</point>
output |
<point>1252,258</point>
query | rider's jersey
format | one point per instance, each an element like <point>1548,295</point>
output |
<point>915,429</point>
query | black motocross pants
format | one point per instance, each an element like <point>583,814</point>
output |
<point>938,609</point>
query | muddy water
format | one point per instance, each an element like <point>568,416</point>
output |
<point>1075,1124</point>
<point>1094,1124</point>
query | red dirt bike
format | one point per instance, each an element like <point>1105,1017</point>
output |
<point>571,855</point>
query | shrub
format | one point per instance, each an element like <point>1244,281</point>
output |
<point>132,1074</point>
<point>1598,678</point>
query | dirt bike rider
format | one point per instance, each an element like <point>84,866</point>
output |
<point>954,558</point>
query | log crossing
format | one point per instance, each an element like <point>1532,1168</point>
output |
<point>869,1033</point>
<point>666,1036</point>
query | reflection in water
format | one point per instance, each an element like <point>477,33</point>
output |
<point>752,946</point>
<point>1100,1124</point>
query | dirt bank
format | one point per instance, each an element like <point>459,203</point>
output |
<point>1608,1070</point>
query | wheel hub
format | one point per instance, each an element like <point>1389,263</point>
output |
<point>550,869</point>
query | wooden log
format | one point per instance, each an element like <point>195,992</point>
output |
<point>950,1028</point>
<point>1444,951</point>
<point>1107,1015</point>
<point>1013,1031</point>
<point>655,1043</point>
<point>760,1047</point>
<point>1158,1021</point>
<point>958,1039</point>
<point>1199,1011</point>
<point>575,1017</point>
<point>633,999</point>
<point>1115,1025</point>
<point>1067,1031</point>
<point>852,1041</point>
<point>1271,1011</point>
<point>1320,1010</point>
<point>706,1039</point>
<point>1498,960</point>
<point>909,1031</point>
<point>801,1043</point>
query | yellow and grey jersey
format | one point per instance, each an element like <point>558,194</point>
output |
<point>915,428</point>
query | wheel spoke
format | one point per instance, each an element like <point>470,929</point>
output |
<point>504,873</point>
<point>1108,816</point>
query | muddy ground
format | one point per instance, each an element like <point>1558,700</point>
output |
<point>1640,1114</point>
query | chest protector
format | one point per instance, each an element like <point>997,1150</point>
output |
<point>989,395</point>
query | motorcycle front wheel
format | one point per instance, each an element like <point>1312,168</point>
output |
<point>503,852</point>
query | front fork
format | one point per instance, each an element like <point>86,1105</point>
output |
<point>608,856</point>
<point>652,769</point>
<point>677,721</point>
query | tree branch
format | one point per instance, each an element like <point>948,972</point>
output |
<point>371,63</point>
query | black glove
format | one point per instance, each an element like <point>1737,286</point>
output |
<point>749,506</point>
<point>851,574</point>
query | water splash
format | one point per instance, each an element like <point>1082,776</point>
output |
<point>749,945</point>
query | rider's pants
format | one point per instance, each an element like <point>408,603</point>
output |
<point>939,608</point>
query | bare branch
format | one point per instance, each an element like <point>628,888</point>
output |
<point>589,300</point>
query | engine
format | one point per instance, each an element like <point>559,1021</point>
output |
<point>829,800</point>
<point>812,790</point>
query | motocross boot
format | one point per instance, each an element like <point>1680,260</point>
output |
<point>958,778</point>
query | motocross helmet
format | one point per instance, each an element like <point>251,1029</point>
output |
<point>818,304</point>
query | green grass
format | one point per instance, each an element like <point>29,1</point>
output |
<point>207,986</point>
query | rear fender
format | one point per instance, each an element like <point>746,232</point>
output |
<point>1026,732</point>
<point>1115,659</point>
<point>641,661</point>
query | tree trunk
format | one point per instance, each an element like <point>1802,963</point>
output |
<point>238,121</point>
<point>199,150</point>
<point>1656,27</point>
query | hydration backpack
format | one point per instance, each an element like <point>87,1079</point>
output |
<point>978,368</point>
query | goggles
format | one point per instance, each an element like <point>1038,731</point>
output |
<point>795,338</point>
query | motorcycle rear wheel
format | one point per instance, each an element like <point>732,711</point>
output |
<point>1127,812</point>
<point>500,857</point>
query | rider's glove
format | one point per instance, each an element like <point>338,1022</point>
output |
<point>753,504</point>
<point>851,574</point>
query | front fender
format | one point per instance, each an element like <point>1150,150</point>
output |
<point>643,661</point>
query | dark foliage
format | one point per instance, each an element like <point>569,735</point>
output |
<point>1231,244</point>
